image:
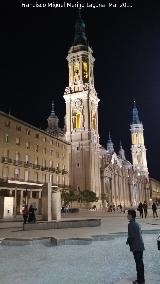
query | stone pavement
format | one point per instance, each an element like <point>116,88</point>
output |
<point>111,223</point>
<point>150,278</point>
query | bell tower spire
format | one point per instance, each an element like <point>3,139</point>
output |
<point>138,148</point>
<point>110,144</point>
<point>52,121</point>
<point>122,152</point>
<point>80,36</point>
<point>82,112</point>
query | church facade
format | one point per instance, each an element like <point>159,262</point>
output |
<point>93,167</point>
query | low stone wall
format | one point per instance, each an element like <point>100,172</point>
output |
<point>48,241</point>
<point>62,224</point>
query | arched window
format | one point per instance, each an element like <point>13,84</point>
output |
<point>94,121</point>
<point>78,120</point>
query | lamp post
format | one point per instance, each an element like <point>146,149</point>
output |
<point>26,197</point>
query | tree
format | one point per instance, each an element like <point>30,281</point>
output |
<point>68,195</point>
<point>87,196</point>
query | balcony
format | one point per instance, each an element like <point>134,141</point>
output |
<point>58,171</point>
<point>27,164</point>
<point>36,167</point>
<point>52,170</point>
<point>64,172</point>
<point>6,160</point>
<point>17,163</point>
<point>44,168</point>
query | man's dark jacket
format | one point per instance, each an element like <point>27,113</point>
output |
<point>135,240</point>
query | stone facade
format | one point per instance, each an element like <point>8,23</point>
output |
<point>30,158</point>
<point>82,120</point>
<point>155,190</point>
<point>92,166</point>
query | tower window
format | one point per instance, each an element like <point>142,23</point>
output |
<point>77,120</point>
<point>78,165</point>
<point>36,148</point>
<point>18,128</point>
<point>17,141</point>
<point>27,145</point>
<point>16,174</point>
<point>26,175</point>
<point>85,70</point>
<point>7,123</point>
<point>6,138</point>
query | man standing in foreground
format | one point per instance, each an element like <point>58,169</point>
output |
<point>136,244</point>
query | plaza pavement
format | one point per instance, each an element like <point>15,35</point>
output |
<point>110,223</point>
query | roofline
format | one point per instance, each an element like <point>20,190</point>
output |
<point>31,126</point>
<point>155,180</point>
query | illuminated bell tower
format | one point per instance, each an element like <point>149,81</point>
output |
<point>82,114</point>
<point>138,148</point>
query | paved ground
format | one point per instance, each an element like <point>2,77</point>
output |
<point>110,223</point>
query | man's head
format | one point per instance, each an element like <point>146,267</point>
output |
<point>131,214</point>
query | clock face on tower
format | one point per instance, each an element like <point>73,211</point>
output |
<point>78,103</point>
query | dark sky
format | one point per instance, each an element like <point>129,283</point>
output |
<point>126,45</point>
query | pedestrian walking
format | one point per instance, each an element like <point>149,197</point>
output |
<point>25,213</point>
<point>140,209</point>
<point>154,209</point>
<point>136,244</point>
<point>145,208</point>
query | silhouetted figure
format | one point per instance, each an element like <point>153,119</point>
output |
<point>154,209</point>
<point>120,207</point>
<point>145,207</point>
<point>140,209</point>
<point>136,244</point>
<point>25,213</point>
<point>32,217</point>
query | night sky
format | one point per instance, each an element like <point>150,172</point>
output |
<point>126,45</point>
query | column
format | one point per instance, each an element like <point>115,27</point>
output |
<point>116,188</point>
<point>15,202</point>
<point>112,189</point>
<point>56,205</point>
<point>30,194</point>
<point>21,200</point>
<point>39,194</point>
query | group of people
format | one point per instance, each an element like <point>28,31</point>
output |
<point>65,208</point>
<point>143,208</point>
<point>113,208</point>
<point>29,214</point>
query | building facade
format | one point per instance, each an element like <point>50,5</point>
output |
<point>30,158</point>
<point>155,190</point>
<point>82,114</point>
